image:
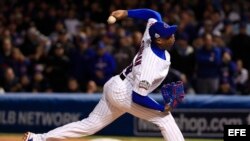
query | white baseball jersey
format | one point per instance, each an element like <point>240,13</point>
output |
<point>148,70</point>
<point>143,76</point>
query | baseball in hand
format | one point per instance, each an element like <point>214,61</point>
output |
<point>111,19</point>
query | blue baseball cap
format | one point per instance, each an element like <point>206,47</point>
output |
<point>162,30</point>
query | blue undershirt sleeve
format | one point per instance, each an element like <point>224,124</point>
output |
<point>147,102</point>
<point>144,14</point>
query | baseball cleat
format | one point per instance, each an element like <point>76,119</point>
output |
<point>28,136</point>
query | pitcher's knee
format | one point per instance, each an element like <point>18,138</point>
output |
<point>162,121</point>
<point>91,126</point>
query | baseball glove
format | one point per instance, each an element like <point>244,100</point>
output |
<point>173,94</point>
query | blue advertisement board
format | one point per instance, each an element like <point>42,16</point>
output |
<point>197,116</point>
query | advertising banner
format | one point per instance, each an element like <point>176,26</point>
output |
<point>198,122</point>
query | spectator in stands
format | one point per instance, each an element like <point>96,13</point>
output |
<point>108,41</point>
<point>64,39</point>
<point>231,11</point>
<point>208,28</point>
<point>227,70</point>
<point>227,32</point>
<point>225,88</point>
<point>187,25</point>
<point>16,37</point>
<point>5,54</point>
<point>217,21</point>
<point>30,42</point>
<point>97,13</point>
<point>73,86</point>
<point>183,57</point>
<point>10,81</point>
<point>124,53</point>
<point>71,22</point>
<point>104,65</point>
<point>39,83</point>
<point>240,45</point>
<point>208,60</point>
<point>51,19</point>
<point>81,60</point>
<point>59,26</point>
<point>92,87</point>
<point>57,69</point>
<point>19,62</point>
<point>5,33</point>
<point>41,18</point>
<point>25,83</point>
<point>38,60</point>
<point>220,43</point>
<point>241,77</point>
<point>198,43</point>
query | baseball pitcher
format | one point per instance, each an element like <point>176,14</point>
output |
<point>128,92</point>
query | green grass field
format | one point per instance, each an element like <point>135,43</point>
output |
<point>18,137</point>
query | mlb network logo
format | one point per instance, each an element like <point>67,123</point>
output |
<point>233,132</point>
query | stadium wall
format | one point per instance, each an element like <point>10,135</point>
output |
<point>197,116</point>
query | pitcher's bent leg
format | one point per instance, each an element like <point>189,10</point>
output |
<point>102,115</point>
<point>169,129</point>
<point>164,121</point>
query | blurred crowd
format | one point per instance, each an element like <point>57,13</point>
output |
<point>67,45</point>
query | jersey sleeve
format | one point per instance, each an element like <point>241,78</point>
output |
<point>144,14</point>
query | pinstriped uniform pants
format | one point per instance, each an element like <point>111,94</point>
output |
<point>115,102</point>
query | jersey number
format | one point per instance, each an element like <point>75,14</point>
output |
<point>137,60</point>
<point>129,69</point>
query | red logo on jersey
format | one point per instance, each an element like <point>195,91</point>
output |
<point>139,56</point>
